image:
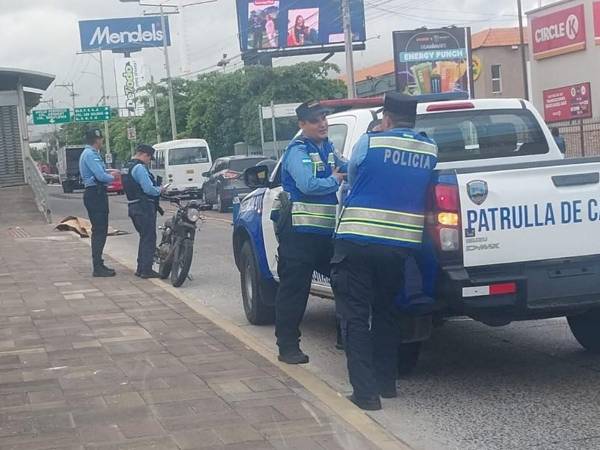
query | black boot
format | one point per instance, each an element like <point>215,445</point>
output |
<point>151,274</point>
<point>108,269</point>
<point>367,404</point>
<point>103,272</point>
<point>295,356</point>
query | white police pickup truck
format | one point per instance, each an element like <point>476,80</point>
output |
<point>512,230</point>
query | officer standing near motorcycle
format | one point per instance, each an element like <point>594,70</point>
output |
<point>143,194</point>
<point>310,179</point>
<point>381,224</point>
<point>95,178</point>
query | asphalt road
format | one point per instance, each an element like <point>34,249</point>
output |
<point>526,385</point>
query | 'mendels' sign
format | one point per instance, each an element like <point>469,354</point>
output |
<point>558,32</point>
<point>123,34</point>
<point>568,103</point>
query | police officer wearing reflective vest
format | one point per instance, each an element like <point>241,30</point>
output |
<point>380,227</point>
<point>311,177</point>
<point>95,178</point>
<point>143,194</point>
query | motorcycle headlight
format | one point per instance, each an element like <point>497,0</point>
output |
<point>193,214</point>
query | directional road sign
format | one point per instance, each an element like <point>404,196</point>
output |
<point>92,114</point>
<point>51,116</point>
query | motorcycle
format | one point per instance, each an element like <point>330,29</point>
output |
<point>176,248</point>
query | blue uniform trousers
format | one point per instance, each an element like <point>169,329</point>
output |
<point>95,200</point>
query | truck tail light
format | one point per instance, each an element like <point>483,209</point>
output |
<point>445,218</point>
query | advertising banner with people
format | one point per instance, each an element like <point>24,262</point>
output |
<point>280,25</point>
<point>129,73</point>
<point>568,103</point>
<point>558,32</point>
<point>432,62</point>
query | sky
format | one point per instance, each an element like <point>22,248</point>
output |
<point>43,35</point>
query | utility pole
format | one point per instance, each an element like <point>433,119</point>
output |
<point>348,47</point>
<point>106,131</point>
<point>163,26</point>
<point>158,140</point>
<point>522,45</point>
<point>71,88</point>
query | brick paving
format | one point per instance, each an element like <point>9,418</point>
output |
<point>120,363</point>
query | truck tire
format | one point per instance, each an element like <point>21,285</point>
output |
<point>258,295</point>
<point>67,187</point>
<point>408,356</point>
<point>586,329</point>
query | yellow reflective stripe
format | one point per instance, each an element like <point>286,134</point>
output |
<point>383,216</point>
<point>314,208</point>
<point>380,231</point>
<point>399,143</point>
<point>313,221</point>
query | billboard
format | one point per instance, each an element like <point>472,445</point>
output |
<point>558,32</point>
<point>430,62</point>
<point>568,103</point>
<point>596,8</point>
<point>285,27</point>
<point>129,73</point>
<point>123,34</point>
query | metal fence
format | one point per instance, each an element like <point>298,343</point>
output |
<point>35,179</point>
<point>582,138</point>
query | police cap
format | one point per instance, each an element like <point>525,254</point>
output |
<point>403,106</point>
<point>145,148</point>
<point>311,110</point>
<point>92,134</point>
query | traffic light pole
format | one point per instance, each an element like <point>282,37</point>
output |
<point>348,46</point>
<point>106,130</point>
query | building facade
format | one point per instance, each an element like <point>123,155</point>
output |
<point>565,59</point>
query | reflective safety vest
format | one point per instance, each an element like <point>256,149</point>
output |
<point>312,213</point>
<point>387,200</point>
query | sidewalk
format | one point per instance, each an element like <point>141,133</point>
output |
<point>121,363</point>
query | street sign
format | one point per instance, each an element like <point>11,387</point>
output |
<point>92,114</point>
<point>131,133</point>
<point>281,110</point>
<point>108,158</point>
<point>51,116</point>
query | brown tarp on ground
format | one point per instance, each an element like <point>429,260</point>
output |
<point>83,227</point>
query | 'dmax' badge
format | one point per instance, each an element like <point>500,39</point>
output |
<point>478,191</point>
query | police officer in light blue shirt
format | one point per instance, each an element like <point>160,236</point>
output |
<point>95,178</point>
<point>143,193</point>
<point>310,177</point>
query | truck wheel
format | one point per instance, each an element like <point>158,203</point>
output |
<point>586,329</point>
<point>258,295</point>
<point>67,187</point>
<point>408,355</point>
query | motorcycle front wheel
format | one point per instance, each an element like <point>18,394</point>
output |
<point>182,261</point>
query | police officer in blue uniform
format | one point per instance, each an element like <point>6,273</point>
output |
<point>311,177</point>
<point>95,178</point>
<point>381,224</point>
<point>143,194</point>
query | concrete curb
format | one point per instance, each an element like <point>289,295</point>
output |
<point>343,408</point>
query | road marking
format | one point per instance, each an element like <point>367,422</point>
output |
<point>334,400</point>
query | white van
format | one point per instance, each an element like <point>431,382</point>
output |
<point>181,164</point>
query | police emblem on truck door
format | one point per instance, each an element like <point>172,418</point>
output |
<point>478,191</point>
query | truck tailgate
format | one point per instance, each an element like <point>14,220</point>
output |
<point>526,213</point>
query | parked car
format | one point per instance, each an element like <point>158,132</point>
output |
<point>225,181</point>
<point>117,184</point>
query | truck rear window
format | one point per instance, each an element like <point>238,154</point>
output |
<point>483,134</point>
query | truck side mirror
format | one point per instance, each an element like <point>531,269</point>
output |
<point>256,177</point>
